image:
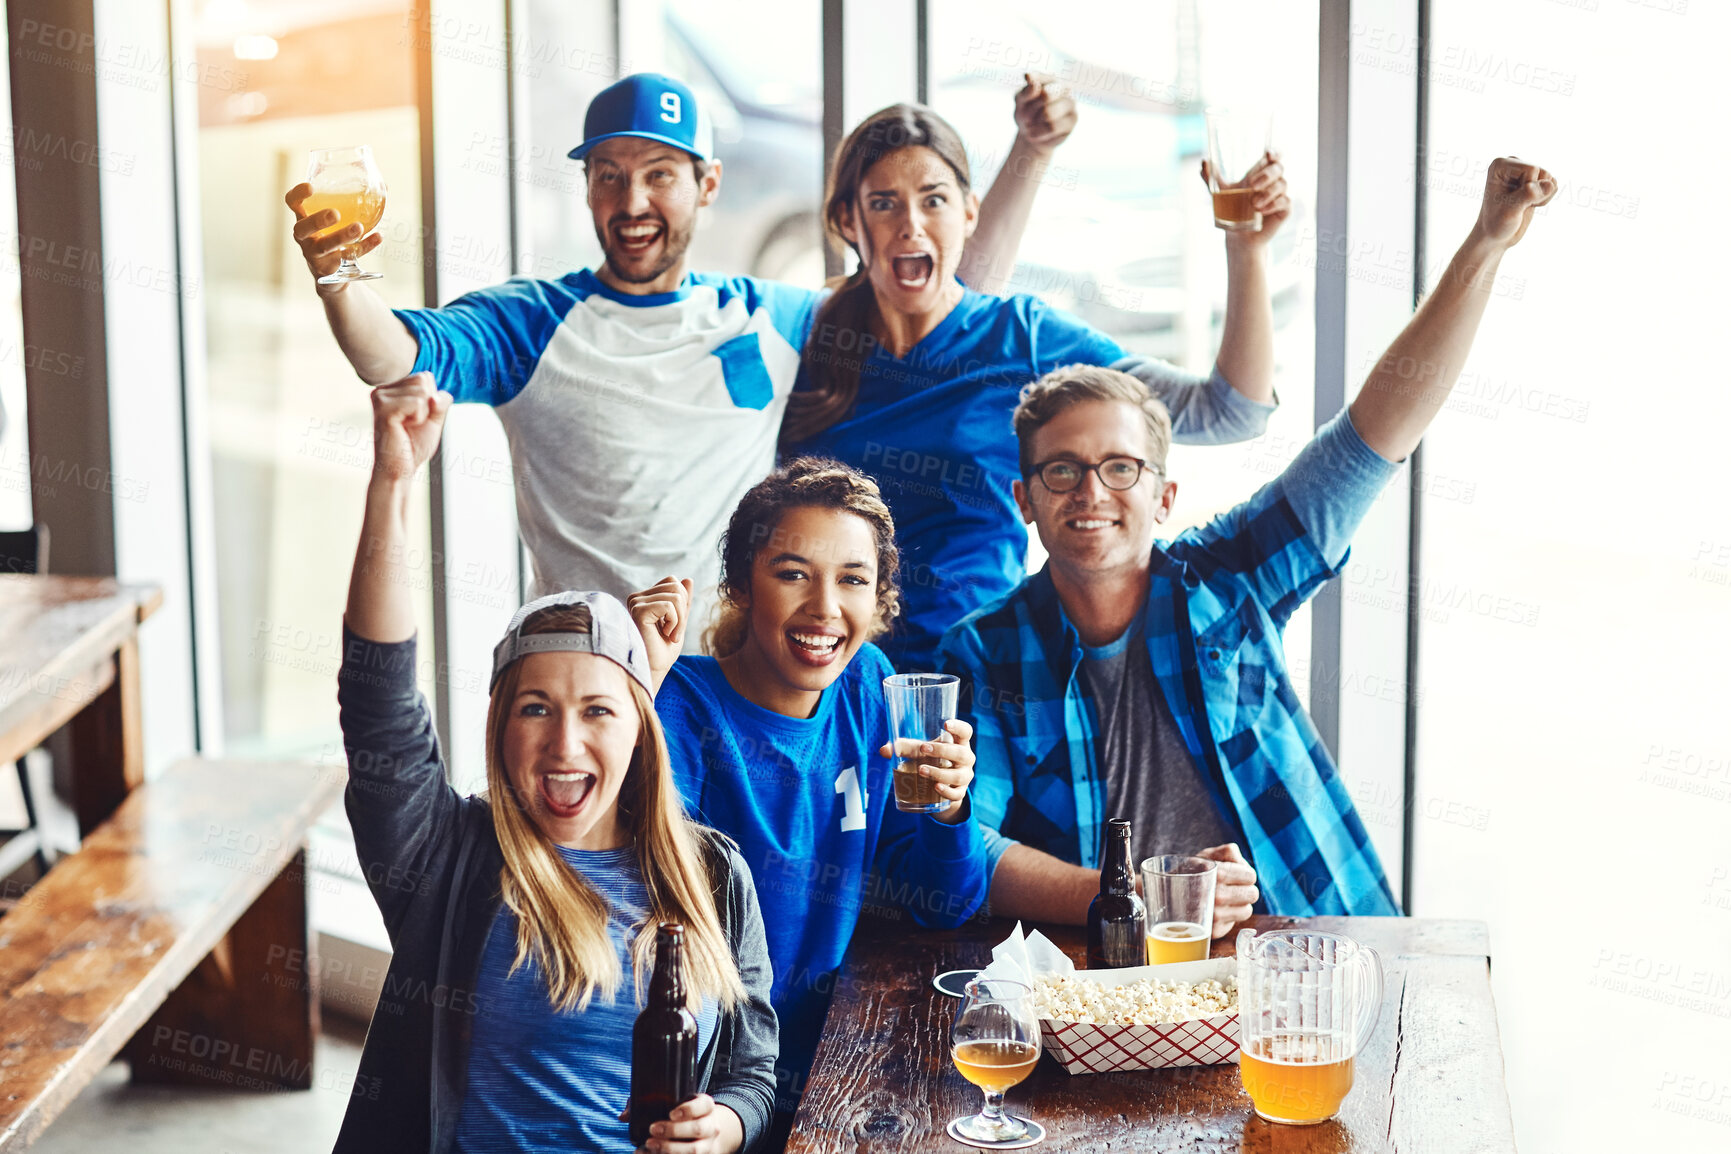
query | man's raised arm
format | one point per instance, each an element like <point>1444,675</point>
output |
<point>1412,381</point>
<point>378,345</point>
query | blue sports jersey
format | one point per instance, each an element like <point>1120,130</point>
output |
<point>809,801</point>
<point>636,423</point>
<point>934,429</point>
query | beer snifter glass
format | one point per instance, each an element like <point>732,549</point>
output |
<point>996,1043</point>
<point>1306,1005</point>
<point>347,180</point>
<point>919,704</point>
<point>1237,140</point>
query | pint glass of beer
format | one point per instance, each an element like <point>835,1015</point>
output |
<point>1237,140</point>
<point>919,704</point>
<point>347,180</point>
<point>1306,1005</point>
<point>1179,893</point>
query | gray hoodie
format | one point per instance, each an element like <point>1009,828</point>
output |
<point>432,862</point>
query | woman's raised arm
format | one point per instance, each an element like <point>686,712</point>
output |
<point>408,418</point>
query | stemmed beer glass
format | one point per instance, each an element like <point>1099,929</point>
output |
<point>347,180</point>
<point>996,1044</point>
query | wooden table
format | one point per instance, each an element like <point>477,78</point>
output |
<point>1431,1078</point>
<point>69,657</point>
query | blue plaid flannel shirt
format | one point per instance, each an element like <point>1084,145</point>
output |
<point>1218,599</point>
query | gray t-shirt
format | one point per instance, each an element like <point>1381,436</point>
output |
<point>1150,776</point>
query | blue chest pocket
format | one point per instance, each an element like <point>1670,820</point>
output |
<point>743,369</point>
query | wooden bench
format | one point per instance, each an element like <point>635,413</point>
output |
<point>177,933</point>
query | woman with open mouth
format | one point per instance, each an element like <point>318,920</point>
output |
<point>523,921</point>
<point>911,376</point>
<point>779,740</point>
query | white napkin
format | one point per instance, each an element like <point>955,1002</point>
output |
<point>1025,959</point>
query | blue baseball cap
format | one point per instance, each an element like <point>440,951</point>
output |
<point>652,106</point>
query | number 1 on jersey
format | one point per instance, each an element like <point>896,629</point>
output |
<point>853,802</point>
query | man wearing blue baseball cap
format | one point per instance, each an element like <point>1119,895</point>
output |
<point>641,400</point>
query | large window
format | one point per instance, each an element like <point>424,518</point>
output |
<point>1122,231</point>
<point>290,424</point>
<point>1574,757</point>
<point>755,64</point>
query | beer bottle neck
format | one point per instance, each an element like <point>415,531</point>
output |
<point>1115,874</point>
<point>667,985</point>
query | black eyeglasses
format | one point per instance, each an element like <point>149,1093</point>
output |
<point>1118,473</point>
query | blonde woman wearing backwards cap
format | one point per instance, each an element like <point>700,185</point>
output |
<point>522,921</point>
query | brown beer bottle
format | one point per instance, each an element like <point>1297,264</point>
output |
<point>1117,920</point>
<point>664,1040</point>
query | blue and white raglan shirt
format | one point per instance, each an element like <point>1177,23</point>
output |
<point>636,423</point>
<point>810,803</point>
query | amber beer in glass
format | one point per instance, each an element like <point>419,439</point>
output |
<point>347,180</point>
<point>664,1040</point>
<point>1117,920</point>
<point>1238,138</point>
<point>1307,1002</point>
<point>996,1066</point>
<point>1177,942</point>
<point>1296,1077</point>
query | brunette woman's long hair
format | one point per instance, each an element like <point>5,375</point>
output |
<point>561,919</point>
<point>842,337</point>
<point>804,482</point>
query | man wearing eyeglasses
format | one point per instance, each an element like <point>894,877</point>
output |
<point>1146,680</point>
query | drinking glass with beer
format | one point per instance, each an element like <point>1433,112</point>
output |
<point>1179,894</point>
<point>1306,1005</point>
<point>996,1043</point>
<point>919,704</point>
<point>347,181</point>
<point>1238,139</point>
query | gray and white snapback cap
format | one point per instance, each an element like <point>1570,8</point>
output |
<point>612,634</point>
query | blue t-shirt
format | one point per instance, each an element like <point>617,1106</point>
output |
<point>934,429</point>
<point>810,803</point>
<point>543,1080</point>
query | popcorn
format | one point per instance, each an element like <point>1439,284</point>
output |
<point>1142,1002</point>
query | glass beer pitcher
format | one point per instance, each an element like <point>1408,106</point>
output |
<point>1307,1004</point>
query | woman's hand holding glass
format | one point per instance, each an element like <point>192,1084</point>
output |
<point>948,764</point>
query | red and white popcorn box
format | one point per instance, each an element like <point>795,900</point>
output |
<point>1088,1048</point>
<point>1092,1048</point>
